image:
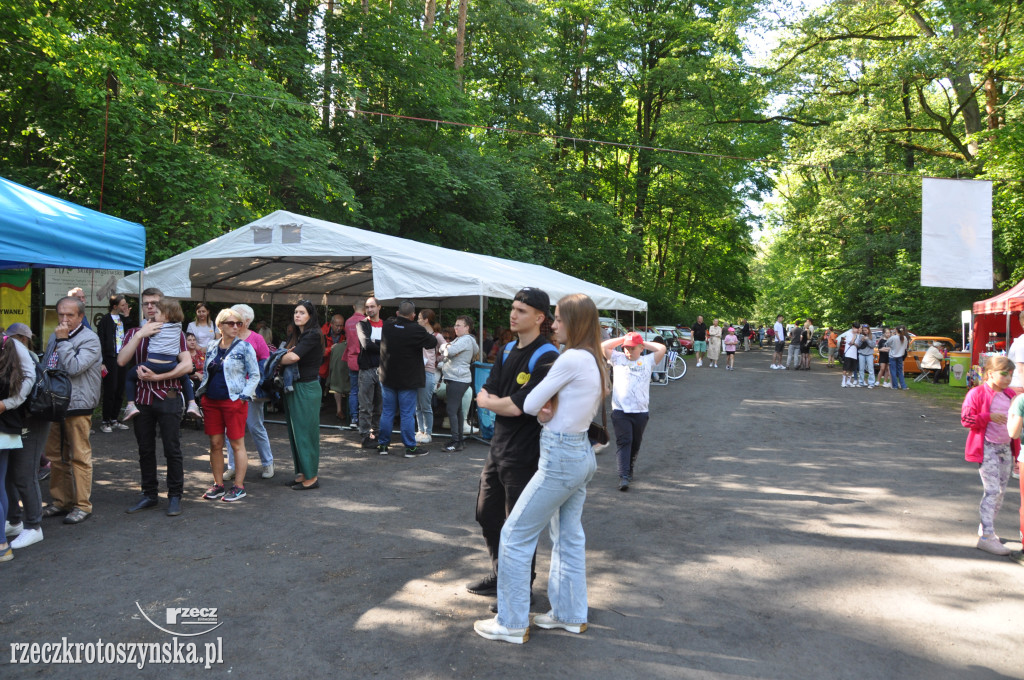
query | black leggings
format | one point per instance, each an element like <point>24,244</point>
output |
<point>453,396</point>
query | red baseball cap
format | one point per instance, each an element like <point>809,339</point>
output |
<point>632,340</point>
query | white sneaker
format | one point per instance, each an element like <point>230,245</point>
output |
<point>699,362</point>
<point>106,428</point>
<point>548,622</point>
<point>421,437</point>
<point>12,529</point>
<point>229,474</point>
<point>27,538</point>
<point>268,471</point>
<point>119,425</point>
<point>492,630</point>
<point>993,545</point>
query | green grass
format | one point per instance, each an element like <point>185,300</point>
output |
<point>941,395</point>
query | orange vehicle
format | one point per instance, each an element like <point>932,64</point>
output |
<point>919,344</point>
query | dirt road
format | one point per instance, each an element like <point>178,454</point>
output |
<point>779,527</point>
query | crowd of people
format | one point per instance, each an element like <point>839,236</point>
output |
<point>540,458</point>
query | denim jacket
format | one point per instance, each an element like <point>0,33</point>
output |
<point>241,369</point>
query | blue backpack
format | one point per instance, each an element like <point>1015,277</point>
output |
<point>537,353</point>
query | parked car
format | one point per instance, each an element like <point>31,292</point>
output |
<point>685,336</point>
<point>673,338</point>
<point>919,344</point>
<point>612,326</point>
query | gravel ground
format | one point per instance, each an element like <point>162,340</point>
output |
<point>779,527</point>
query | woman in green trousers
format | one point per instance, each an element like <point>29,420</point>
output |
<point>302,404</point>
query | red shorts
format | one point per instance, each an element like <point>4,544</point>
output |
<point>224,414</point>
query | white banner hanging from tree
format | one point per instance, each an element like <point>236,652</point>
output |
<point>956,233</point>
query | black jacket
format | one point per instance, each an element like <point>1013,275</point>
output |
<point>401,353</point>
<point>369,349</point>
<point>106,332</point>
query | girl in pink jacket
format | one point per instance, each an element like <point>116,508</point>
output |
<point>989,444</point>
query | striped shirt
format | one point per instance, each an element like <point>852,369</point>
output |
<point>145,390</point>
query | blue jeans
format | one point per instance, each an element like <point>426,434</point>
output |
<point>896,368</point>
<point>553,498</point>
<point>353,396</point>
<point>866,364</point>
<point>424,404</point>
<point>405,402</point>
<point>254,424</point>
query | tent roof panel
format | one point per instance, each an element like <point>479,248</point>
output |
<point>283,256</point>
<point>39,230</point>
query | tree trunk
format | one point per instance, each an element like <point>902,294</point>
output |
<point>429,12</point>
<point>460,39</point>
<point>328,60</point>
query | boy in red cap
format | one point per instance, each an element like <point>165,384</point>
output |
<point>631,396</point>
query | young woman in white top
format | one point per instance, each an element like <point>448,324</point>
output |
<point>898,343</point>
<point>566,400</point>
<point>203,327</point>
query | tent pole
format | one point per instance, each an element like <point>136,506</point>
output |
<point>1007,338</point>
<point>480,326</point>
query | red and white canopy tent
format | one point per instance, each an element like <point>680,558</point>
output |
<point>999,315</point>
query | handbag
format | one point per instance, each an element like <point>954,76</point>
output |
<point>51,393</point>
<point>598,434</point>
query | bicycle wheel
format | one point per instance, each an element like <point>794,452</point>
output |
<point>676,368</point>
<point>823,349</point>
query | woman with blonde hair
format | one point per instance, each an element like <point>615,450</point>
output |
<point>229,382</point>
<point>555,495</point>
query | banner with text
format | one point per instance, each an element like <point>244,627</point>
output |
<point>15,296</point>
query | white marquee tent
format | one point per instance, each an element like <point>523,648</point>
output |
<point>284,257</point>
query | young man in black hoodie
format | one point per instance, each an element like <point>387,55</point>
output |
<point>515,446</point>
<point>401,376</point>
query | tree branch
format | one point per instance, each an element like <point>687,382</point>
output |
<point>929,151</point>
<point>772,119</point>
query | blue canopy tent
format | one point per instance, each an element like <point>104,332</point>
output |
<point>39,230</point>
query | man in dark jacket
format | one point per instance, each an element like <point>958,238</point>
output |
<point>401,375</point>
<point>111,331</point>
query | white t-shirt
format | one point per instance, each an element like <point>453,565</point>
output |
<point>851,349</point>
<point>631,384</point>
<point>576,379</point>
<point>780,332</point>
<point>1016,355</point>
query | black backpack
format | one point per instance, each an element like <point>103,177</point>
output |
<point>51,393</point>
<point>270,385</point>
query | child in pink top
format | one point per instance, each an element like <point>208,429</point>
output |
<point>989,444</point>
<point>731,342</point>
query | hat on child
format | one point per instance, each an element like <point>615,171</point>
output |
<point>731,329</point>
<point>632,340</point>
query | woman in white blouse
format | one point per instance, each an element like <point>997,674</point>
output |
<point>203,327</point>
<point>566,400</point>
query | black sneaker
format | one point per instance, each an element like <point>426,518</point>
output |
<point>488,586</point>
<point>416,451</point>
<point>369,443</point>
<point>382,449</point>
<point>623,483</point>
<point>454,446</point>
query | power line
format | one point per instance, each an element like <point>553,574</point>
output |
<point>824,167</point>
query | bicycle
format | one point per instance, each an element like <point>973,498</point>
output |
<point>673,368</point>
